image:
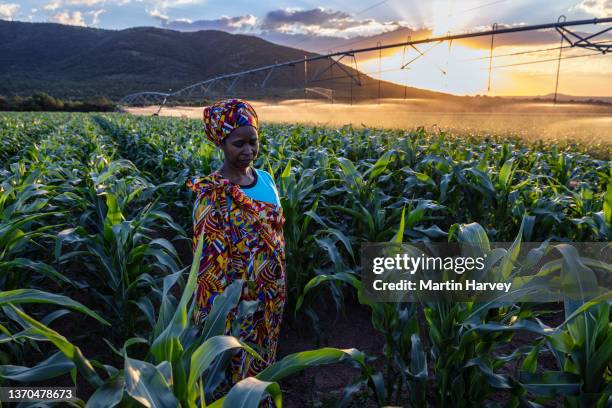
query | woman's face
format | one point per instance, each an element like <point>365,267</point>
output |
<point>241,147</point>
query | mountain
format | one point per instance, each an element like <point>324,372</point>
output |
<point>79,62</point>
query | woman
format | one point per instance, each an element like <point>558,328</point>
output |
<point>238,208</point>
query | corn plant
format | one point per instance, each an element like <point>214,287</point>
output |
<point>22,338</point>
<point>111,187</point>
<point>300,200</point>
<point>18,133</point>
<point>128,258</point>
<point>581,344</point>
<point>25,221</point>
<point>405,361</point>
<point>179,354</point>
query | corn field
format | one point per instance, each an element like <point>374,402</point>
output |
<point>97,277</point>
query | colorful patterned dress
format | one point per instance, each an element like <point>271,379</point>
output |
<point>245,243</point>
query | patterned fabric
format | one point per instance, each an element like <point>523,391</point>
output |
<point>221,118</point>
<point>245,243</point>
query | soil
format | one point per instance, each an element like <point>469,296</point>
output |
<point>322,386</point>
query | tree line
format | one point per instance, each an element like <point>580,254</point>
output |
<point>42,101</point>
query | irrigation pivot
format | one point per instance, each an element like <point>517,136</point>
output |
<point>228,81</point>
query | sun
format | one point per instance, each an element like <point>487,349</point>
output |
<point>448,17</point>
<point>459,69</point>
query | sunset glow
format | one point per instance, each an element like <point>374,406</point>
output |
<point>464,70</point>
<point>460,68</point>
<point>448,16</point>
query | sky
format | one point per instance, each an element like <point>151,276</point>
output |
<point>318,26</point>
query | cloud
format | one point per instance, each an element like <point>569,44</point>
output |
<point>315,17</point>
<point>75,18</point>
<point>320,29</point>
<point>230,24</point>
<point>54,5</point>
<point>176,3</point>
<point>163,5</point>
<point>95,16</point>
<point>158,15</point>
<point>598,8</point>
<point>317,22</point>
<point>8,10</point>
<point>88,3</point>
<point>325,44</point>
<point>323,22</point>
<point>159,8</point>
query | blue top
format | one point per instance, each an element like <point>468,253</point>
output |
<point>262,189</point>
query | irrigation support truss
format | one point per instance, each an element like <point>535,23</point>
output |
<point>229,81</point>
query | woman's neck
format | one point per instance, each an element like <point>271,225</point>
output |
<point>236,175</point>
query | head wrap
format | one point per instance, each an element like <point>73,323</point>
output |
<point>222,117</point>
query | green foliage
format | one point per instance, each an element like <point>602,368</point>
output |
<point>96,204</point>
<point>179,354</point>
<point>41,101</point>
